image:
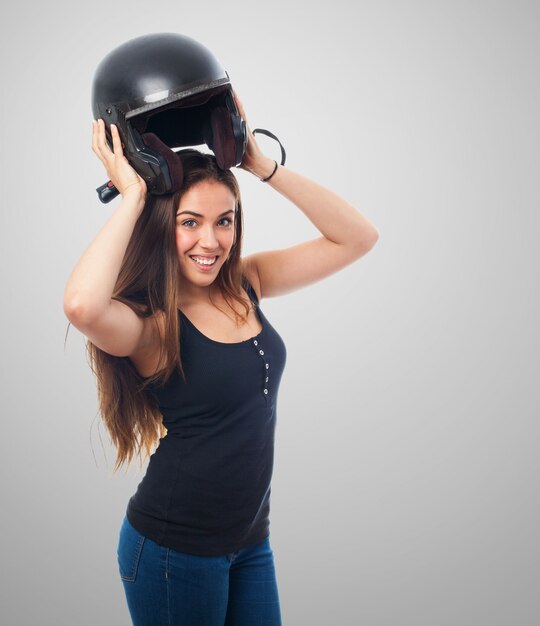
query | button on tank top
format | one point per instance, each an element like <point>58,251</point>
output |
<point>206,490</point>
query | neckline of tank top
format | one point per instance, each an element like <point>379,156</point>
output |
<point>260,316</point>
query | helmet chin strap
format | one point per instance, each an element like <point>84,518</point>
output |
<point>269,134</point>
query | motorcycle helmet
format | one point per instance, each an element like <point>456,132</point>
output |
<point>165,91</point>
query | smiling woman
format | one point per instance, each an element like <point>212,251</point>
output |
<point>185,359</point>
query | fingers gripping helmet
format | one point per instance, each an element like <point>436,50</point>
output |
<point>166,90</point>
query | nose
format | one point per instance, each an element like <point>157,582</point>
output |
<point>208,239</point>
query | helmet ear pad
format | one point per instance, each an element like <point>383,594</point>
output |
<point>174,164</point>
<point>222,140</point>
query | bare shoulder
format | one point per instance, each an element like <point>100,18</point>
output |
<point>249,269</point>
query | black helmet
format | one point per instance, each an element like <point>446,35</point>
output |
<point>164,91</point>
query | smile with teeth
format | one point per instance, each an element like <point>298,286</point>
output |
<point>203,260</point>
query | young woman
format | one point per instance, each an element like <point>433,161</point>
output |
<point>186,359</point>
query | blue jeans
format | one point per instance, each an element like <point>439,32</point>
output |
<point>165,587</point>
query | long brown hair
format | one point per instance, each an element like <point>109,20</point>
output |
<point>148,283</point>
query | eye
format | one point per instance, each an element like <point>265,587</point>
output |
<point>186,222</point>
<point>229,220</point>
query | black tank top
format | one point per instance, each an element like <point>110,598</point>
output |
<point>206,490</point>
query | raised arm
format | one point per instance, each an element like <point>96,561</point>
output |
<point>111,325</point>
<point>346,234</point>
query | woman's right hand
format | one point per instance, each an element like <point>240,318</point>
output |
<point>119,171</point>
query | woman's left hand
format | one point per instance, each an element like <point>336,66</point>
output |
<point>254,160</point>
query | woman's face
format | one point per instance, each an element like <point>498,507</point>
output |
<point>205,226</point>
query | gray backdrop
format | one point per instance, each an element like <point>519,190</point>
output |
<point>405,488</point>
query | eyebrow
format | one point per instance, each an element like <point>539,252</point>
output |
<point>199,215</point>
